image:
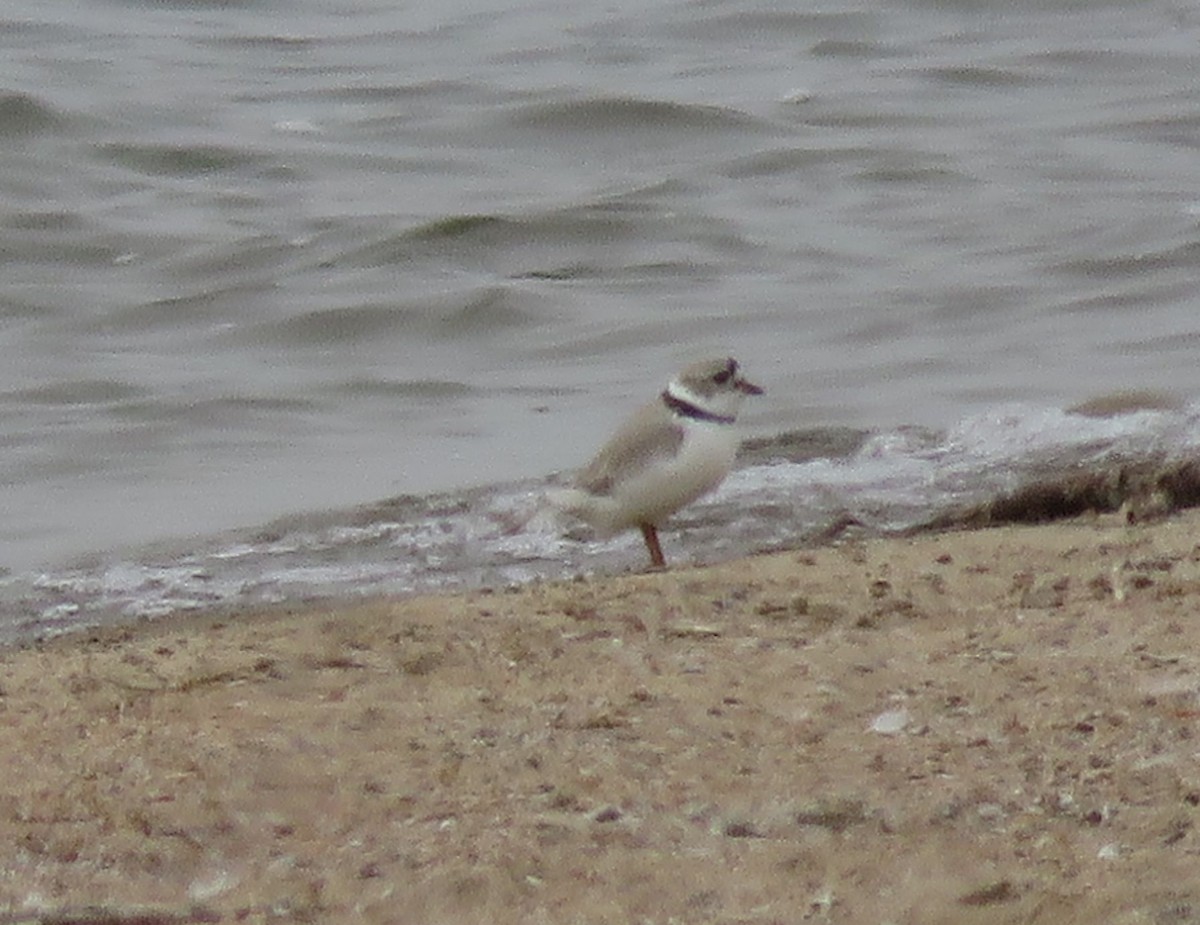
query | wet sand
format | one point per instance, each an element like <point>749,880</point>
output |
<point>983,726</point>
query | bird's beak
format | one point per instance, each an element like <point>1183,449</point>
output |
<point>747,387</point>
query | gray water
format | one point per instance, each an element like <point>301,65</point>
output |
<point>269,259</point>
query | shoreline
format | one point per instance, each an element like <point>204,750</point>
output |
<point>994,725</point>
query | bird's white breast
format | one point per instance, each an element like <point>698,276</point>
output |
<point>664,486</point>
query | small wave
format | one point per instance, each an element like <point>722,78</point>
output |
<point>590,222</point>
<point>1133,294</point>
<point>220,412</point>
<point>865,49</point>
<point>21,114</point>
<point>486,313</point>
<point>794,160</point>
<point>343,325</point>
<point>78,392</point>
<point>458,226</point>
<point>610,229</point>
<point>1115,266</point>
<point>1160,347</point>
<point>609,115</point>
<point>245,260</point>
<point>178,160</point>
<point>483,237</point>
<point>666,270</point>
<point>800,24</point>
<point>977,75</point>
<point>204,309</point>
<point>55,221</point>
<point>438,91</point>
<point>420,389</point>
<point>912,168</point>
<point>477,312</point>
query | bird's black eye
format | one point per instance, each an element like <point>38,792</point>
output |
<point>727,373</point>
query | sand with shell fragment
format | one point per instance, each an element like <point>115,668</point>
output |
<point>974,727</point>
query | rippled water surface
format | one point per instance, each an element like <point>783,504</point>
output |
<point>274,259</point>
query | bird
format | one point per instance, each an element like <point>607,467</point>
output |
<point>666,455</point>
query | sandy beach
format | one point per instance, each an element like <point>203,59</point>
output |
<point>985,726</point>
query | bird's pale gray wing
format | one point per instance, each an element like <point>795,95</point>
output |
<point>647,436</point>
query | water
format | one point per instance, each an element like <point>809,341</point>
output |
<point>267,260</point>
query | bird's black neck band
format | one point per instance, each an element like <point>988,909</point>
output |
<point>688,410</point>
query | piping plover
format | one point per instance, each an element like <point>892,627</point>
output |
<point>667,455</point>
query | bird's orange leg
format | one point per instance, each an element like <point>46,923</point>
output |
<point>650,535</point>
